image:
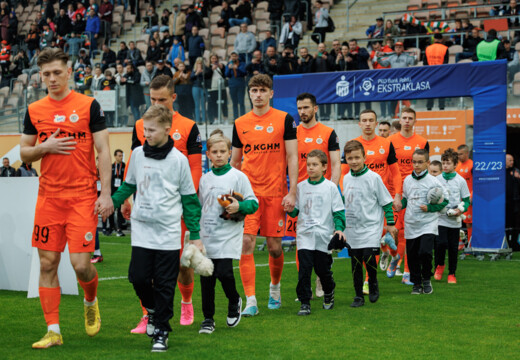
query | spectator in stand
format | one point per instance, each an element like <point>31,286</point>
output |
<point>386,111</point>
<point>512,199</point>
<point>390,28</point>
<point>491,48</point>
<point>164,21</point>
<point>92,5</point>
<point>377,30</point>
<point>33,40</point>
<point>21,62</point>
<point>466,25</point>
<point>346,61</point>
<point>86,84</point>
<point>509,51</point>
<point>200,79</point>
<point>134,92</point>
<point>271,60</point>
<point>513,10</point>
<point>218,78</point>
<point>79,24</point>
<point>321,64</point>
<point>166,43</point>
<point>415,29</point>
<point>47,10</point>
<point>245,44</point>
<point>225,14</point>
<point>255,66</point>
<point>333,53</point>
<point>105,15</point>
<point>12,28</point>
<point>437,54</point>
<point>109,84</point>
<point>275,9</point>
<point>154,52</point>
<point>80,9</point>
<point>146,78</point>
<point>162,69</point>
<point>122,105</point>
<point>291,33</point>
<point>499,10</point>
<point>513,67</point>
<point>236,73</point>
<point>5,57</point>
<point>292,7</point>
<point>470,46</point>
<point>40,20</point>
<point>320,23</point>
<point>192,20</point>
<point>108,59</point>
<point>182,82</point>
<point>243,14</point>
<point>46,36</point>
<point>26,170</point>
<point>134,9</point>
<point>63,24</point>
<point>455,39</point>
<point>177,22</point>
<point>361,56</point>
<point>7,170</point>
<point>151,20</point>
<point>288,63</point>
<point>4,24</point>
<point>134,56</point>
<point>97,79</point>
<point>93,29</point>
<point>177,51</point>
<point>305,62</point>
<point>71,13</point>
<point>195,45</point>
<point>268,41</point>
<point>122,54</point>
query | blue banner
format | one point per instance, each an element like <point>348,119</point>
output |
<point>486,82</point>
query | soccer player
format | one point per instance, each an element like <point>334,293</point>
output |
<point>67,127</point>
<point>421,221</point>
<point>366,201</point>
<point>186,138</point>
<point>450,222</point>
<point>321,214</point>
<point>222,238</point>
<point>405,142</point>
<point>266,139</point>
<point>166,193</point>
<point>465,169</point>
<point>384,129</point>
<point>311,135</point>
<point>380,157</point>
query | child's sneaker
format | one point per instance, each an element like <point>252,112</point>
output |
<point>398,272</point>
<point>160,341</point>
<point>305,310</point>
<point>427,286</point>
<point>234,313</point>
<point>406,279</point>
<point>141,327</point>
<point>452,279</point>
<point>207,326</point>
<point>373,292</point>
<point>438,272</point>
<point>417,290</point>
<point>390,272</point>
<point>384,261</point>
<point>358,301</point>
<point>328,301</point>
<point>365,288</point>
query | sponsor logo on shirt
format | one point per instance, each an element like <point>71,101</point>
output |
<point>308,140</point>
<point>407,147</point>
<point>259,128</point>
<point>370,152</point>
<point>59,118</point>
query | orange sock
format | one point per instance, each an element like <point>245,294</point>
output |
<point>276,268</point>
<point>401,244</point>
<point>145,312</point>
<point>50,300</point>
<point>406,263</point>
<point>470,229</point>
<point>90,288</point>
<point>297,262</point>
<point>248,273</point>
<point>186,292</point>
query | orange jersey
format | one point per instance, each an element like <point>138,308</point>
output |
<point>262,140</point>
<point>465,170</point>
<point>320,137</point>
<point>404,148</point>
<point>78,116</point>
<point>186,138</point>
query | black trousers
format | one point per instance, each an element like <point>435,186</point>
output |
<point>448,239</point>
<point>224,273</point>
<point>153,273</point>
<point>368,255</point>
<point>321,262</point>
<point>319,36</point>
<point>419,251</point>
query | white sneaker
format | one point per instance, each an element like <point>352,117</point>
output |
<point>319,289</point>
<point>384,261</point>
<point>398,272</point>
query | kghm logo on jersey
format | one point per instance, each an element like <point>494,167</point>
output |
<point>259,128</point>
<point>342,87</point>
<point>367,86</point>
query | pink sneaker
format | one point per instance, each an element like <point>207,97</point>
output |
<point>141,327</point>
<point>186,313</point>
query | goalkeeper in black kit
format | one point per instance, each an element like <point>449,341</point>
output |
<point>424,196</point>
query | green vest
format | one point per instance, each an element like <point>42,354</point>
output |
<point>487,51</point>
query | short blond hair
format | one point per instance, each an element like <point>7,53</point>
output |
<point>218,138</point>
<point>161,113</point>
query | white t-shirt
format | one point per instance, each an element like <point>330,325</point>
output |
<point>157,212</point>
<point>457,190</point>
<point>316,204</point>
<point>416,221</point>
<point>222,238</point>
<point>365,196</point>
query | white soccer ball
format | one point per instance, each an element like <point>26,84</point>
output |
<point>435,195</point>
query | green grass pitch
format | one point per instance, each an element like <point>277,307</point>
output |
<point>477,318</point>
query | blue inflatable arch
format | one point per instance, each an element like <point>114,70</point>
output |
<point>485,82</point>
